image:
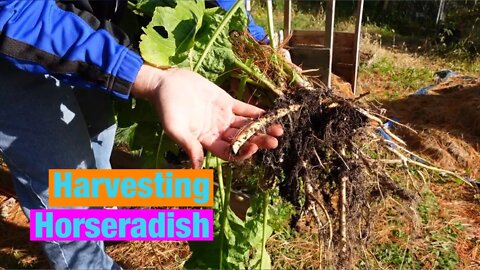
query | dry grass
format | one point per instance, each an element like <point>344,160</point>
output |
<point>411,236</point>
<point>449,125</point>
<point>16,250</point>
<point>301,252</point>
<point>139,254</point>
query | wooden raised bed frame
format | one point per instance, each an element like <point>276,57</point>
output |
<point>328,51</point>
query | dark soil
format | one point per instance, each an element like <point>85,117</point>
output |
<point>319,149</point>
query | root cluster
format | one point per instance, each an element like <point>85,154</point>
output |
<point>319,168</point>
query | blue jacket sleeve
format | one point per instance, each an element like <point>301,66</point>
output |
<point>255,30</point>
<point>46,37</point>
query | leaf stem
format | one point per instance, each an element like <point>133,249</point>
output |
<point>131,5</point>
<point>217,32</point>
<point>221,187</point>
<point>260,77</point>
<point>270,23</point>
<point>228,189</point>
<point>157,156</point>
<point>225,199</point>
<point>266,198</point>
<point>241,87</point>
<point>207,160</point>
<point>295,77</point>
<point>248,80</point>
<point>223,215</point>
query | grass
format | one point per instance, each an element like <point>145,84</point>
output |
<point>301,20</point>
<point>394,255</point>
<point>398,80</point>
<point>438,240</point>
<point>295,251</point>
<point>392,73</point>
<point>430,237</point>
<point>421,235</point>
<point>428,208</point>
<point>404,242</point>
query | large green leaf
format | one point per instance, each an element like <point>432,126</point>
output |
<point>170,34</point>
<point>242,240</point>
<point>220,58</point>
<point>256,232</point>
<point>232,237</point>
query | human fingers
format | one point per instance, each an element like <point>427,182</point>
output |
<point>275,130</point>
<point>191,145</point>
<point>240,122</point>
<point>246,110</point>
<point>246,152</point>
<point>222,149</point>
<point>263,141</point>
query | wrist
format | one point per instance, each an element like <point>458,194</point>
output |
<point>147,82</point>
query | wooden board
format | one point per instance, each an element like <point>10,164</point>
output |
<point>317,38</point>
<point>343,55</point>
<point>356,46</point>
<point>330,51</point>
<point>308,43</point>
<point>346,70</point>
<point>287,17</point>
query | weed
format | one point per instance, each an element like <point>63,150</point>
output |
<point>442,246</point>
<point>18,259</point>
<point>384,66</point>
<point>280,213</point>
<point>428,208</point>
<point>412,78</point>
<point>394,255</point>
<point>402,79</point>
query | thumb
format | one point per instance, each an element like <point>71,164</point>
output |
<point>193,148</point>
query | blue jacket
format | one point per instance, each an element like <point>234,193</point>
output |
<point>255,30</point>
<point>74,40</point>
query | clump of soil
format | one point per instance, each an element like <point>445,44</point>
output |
<point>314,139</point>
<point>318,165</point>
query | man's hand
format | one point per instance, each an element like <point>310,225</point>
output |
<point>196,113</point>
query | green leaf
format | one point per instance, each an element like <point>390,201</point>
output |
<point>242,240</point>
<point>126,135</point>
<point>220,58</point>
<point>147,7</point>
<point>212,161</point>
<point>170,34</point>
<point>258,231</point>
<point>178,35</point>
<point>233,230</point>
